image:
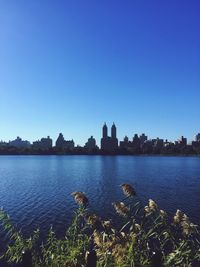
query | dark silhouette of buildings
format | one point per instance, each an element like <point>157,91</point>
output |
<point>125,144</point>
<point>90,145</point>
<point>44,143</point>
<point>181,142</point>
<point>196,144</point>
<point>61,143</point>
<point>197,137</point>
<point>109,143</point>
<point>19,143</point>
<point>143,138</point>
<point>134,146</point>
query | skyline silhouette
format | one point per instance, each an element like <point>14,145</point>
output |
<point>109,141</point>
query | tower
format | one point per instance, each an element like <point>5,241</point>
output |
<point>105,131</point>
<point>113,131</point>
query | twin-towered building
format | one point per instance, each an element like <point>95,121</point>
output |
<point>109,143</point>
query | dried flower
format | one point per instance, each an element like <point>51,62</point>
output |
<point>137,227</point>
<point>80,198</point>
<point>147,210</point>
<point>120,208</point>
<point>98,238</point>
<point>152,205</point>
<point>128,190</point>
<point>185,218</point>
<point>188,228</point>
<point>107,224</point>
<point>184,221</point>
<point>163,213</point>
<point>178,217</point>
<point>91,218</point>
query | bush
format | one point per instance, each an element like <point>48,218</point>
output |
<point>146,236</point>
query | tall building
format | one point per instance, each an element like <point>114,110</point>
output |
<point>105,131</point>
<point>19,143</point>
<point>109,143</point>
<point>91,143</point>
<point>125,143</point>
<point>136,141</point>
<point>69,144</point>
<point>61,143</point>
<point>113,131</point>
<point>197,137</point>
<point>143,138</point>
<point>44,143</point>
<point>182,141</point>
<point>158,143</point>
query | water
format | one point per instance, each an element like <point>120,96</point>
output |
<point>35,190</point>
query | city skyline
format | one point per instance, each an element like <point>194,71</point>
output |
<point>108,133</point>
<point>67,66</point>
<point>109,145</point>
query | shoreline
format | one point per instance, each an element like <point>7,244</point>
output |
<point>112,155</point>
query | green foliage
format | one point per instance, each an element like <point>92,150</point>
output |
<point>143,235</point>
<point>17,244</point>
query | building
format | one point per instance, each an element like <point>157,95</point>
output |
<point>125,143</point>
<point>109,143</point>
<point>143,138</point>
<point>158,143</point>
<point>61,143</point>
<point>69,144</point>
<point>197,137</point>
<point>136,141</point>
<point>19,143</point>
<point>44,143</point>
<point>181,142</point>
<point>91,143</point>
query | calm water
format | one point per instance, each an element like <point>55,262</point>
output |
<point>35,190</point>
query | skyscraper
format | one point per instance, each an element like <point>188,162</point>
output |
<point>113,131</point>
<point>109,143</point>
<point>105,131</point>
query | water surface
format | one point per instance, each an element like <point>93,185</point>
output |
<point>35,190</point>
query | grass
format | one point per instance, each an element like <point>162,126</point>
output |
<point>146,236</point>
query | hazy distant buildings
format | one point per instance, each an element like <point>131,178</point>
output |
<point>109,143</point>
<point>182,142</point>
<point>135,146</point>
<point>158,145</point>
<point>197,137</point>
<point>91,144</point>
<point>136,141</point>
<point>61,143</point>
<point>143,138</point>
<point>19,143</point>
<point>3,144</point>
<point>69,144</point>
<point>125,143</point>
<point>44,143</point>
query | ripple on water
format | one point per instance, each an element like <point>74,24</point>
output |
<point>36,190</point>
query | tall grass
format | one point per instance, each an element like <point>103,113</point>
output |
<point>146,236</point>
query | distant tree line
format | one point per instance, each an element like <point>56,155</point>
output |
<point>171,149</point>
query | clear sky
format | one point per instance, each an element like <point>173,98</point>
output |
<point>70,65</point>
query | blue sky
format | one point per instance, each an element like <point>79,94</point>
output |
<point>69,66</point>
